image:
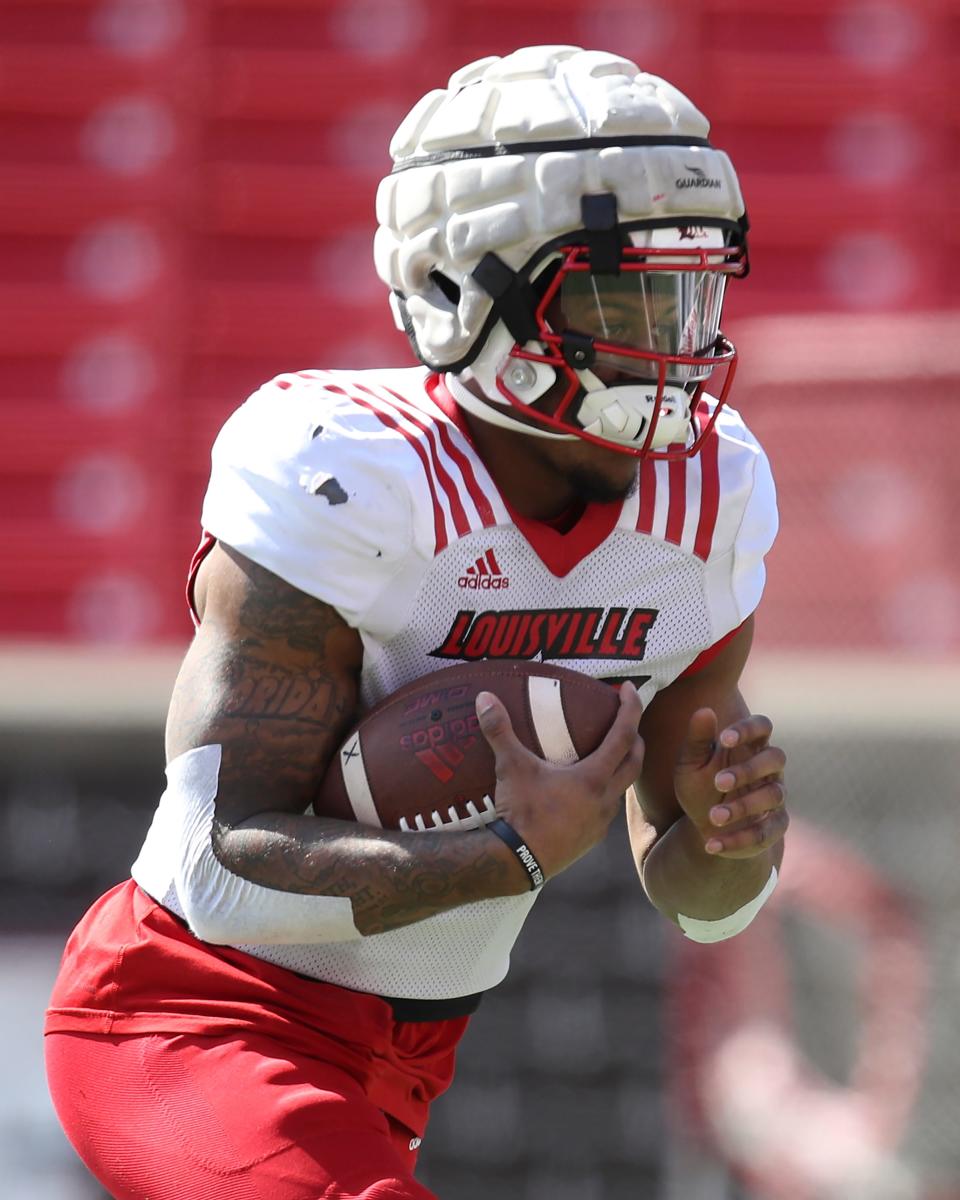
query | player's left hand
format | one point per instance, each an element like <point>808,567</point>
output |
<point>729,782</point>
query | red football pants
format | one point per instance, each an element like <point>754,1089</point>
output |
<point>187,1117</point>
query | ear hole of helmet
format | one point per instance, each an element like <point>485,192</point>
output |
<point>450,290</point>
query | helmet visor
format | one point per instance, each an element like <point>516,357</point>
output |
<point>640,316</point>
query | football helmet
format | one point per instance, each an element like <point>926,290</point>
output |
<point>558,228</point>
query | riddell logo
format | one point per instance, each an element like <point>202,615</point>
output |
<point>485,575</point>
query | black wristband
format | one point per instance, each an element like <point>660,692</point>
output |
<point>506,833</point>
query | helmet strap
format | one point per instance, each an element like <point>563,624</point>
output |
<point>514,300</point>
<point>603,237</point>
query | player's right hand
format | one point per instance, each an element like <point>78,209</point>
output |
<point>561,811</point>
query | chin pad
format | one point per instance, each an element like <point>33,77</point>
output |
<point>623,413</point>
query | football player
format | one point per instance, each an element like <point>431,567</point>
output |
<point>272,1001</point>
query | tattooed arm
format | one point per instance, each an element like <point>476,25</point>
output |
<point>272,677</point>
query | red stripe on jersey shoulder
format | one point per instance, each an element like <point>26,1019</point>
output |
<point>382,411</point>
<point>428,425</point>
<point>476,493</point>
<point>711,652</point>
<point>648,495</point>
<point>677,502</point>
<point>439,393</point>
<point>706,498</point>
<point>709,494</point>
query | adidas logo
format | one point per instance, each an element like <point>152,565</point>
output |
<point>485,575</point>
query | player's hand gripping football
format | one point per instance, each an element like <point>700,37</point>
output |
<point>562,811</point>
<point>730,784</point>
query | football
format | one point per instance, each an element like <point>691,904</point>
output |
<point>418,761</point>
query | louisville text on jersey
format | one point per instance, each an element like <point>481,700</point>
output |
<point>548,633</point>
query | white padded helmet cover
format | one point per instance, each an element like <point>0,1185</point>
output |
<point>446,216</point>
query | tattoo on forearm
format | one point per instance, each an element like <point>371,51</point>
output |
<point>278,690</point>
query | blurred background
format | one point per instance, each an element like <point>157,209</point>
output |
<point>186,209</point>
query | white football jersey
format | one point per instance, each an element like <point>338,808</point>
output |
<point>364,490</point>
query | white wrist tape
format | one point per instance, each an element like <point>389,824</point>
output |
<point>177,867</point>
<point>734,923</point>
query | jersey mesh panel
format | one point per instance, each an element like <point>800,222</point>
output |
<point>667,580</point>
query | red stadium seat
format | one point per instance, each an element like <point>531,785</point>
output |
<point>187,208</point>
